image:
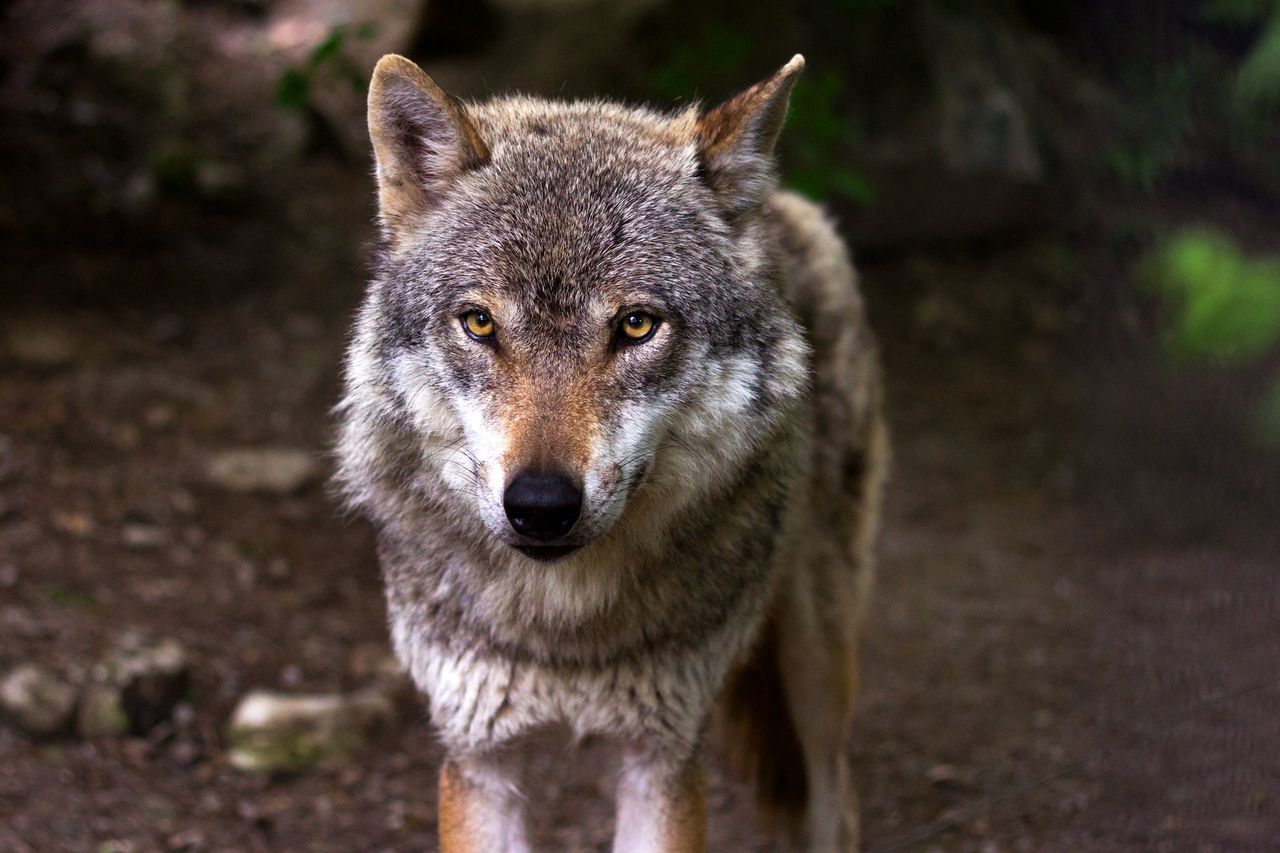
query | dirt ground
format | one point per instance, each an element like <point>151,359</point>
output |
<point>1074,640</point>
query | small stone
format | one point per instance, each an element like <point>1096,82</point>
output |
<point>246,574</point>
<point>291,675</point>
<point>942,774</point>
<point>101,712</point>
<point>143,537</point>
<point>276,731</point>
<point>159,416</point>
<point>9,575</point>
<point>75,524</point>
<point>278,570</point>
<point>187,839</point>
<point>37,700</point>
<point>142,682</point>
<point>275,471</point>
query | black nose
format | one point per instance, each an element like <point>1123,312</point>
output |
<point>542,506</point>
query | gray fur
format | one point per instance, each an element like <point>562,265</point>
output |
<point>729,462</point>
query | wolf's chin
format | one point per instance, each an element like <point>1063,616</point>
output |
<point>546,553</point>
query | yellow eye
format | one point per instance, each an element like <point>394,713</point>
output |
<point>478,324</point>
<point>638,326</point>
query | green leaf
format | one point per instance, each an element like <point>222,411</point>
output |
<point>1236,11</point>
<point>1225,306</point>
<point>1257,84</point>
<point>853,186</point>
<point>294,89</point>
<point>330,48</point>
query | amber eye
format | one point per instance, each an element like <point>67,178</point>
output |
<point>478,324</point>
<point>638,326</point>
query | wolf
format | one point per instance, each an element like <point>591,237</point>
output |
<point>614,410</point>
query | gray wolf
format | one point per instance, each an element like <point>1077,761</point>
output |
<point>614,409</point>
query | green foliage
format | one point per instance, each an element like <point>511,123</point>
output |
<point>174,167</point>
<point>1223,308</point>
<point>1153,137</point>
<point>328,59</point>
<point>1257,81</point>
<point>1257,84</point>
<point>1236,11</point>
<point>818,133</point>
<point>1225,305</point>
<point>713,60</point>
<point>815,143</point>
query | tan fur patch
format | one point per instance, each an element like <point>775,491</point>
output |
<point>686,831</point>
<point>758,112</point>
<point>421,137</point>
<point>457,835</point>
<point>549,428</point>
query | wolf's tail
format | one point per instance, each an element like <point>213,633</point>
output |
<point>763,741</point>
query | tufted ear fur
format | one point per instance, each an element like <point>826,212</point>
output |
<point>422,140</point>
<point>736,139</point>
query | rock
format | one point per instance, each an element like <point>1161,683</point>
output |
<point>275,471</point>
<point>134,689</point>
<point>272,731</point>
<point>143,537</point>
<point>40,343</point>
<point>75,524</point>
<point>37,700</point>
<point>982,73</point>
<point>101,712</point>
<point>9,575</point>
<point>946,775</point>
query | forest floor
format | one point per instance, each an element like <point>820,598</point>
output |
<point>1074,641</point>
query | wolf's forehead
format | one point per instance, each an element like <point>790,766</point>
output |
<point>592,224</point>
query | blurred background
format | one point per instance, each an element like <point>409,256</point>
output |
<point>1066,217</point>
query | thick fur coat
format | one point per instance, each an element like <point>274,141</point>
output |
<point>728,464</point>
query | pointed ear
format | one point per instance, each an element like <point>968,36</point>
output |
<point>422,141</point>
<point>736,139</point>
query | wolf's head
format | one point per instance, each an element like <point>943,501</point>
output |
<point>572,300</point>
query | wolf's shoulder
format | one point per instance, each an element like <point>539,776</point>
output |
<point>814,261</point>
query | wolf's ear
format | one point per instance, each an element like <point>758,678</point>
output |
<point>736,139</point>
<point>422,140</point>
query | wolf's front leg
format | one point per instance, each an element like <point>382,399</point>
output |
<point>481,808</point>
<point>661,806</point>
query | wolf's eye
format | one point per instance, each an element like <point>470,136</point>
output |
<point>638,326</point>
<point>478,324</point>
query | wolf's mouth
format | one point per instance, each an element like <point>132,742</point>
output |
<point>546,553</point>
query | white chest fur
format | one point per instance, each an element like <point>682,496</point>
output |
<point>480,700</point>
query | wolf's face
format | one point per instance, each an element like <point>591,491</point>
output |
<point>572,296</point>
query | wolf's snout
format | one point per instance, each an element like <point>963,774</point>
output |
<point>542,506</point>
